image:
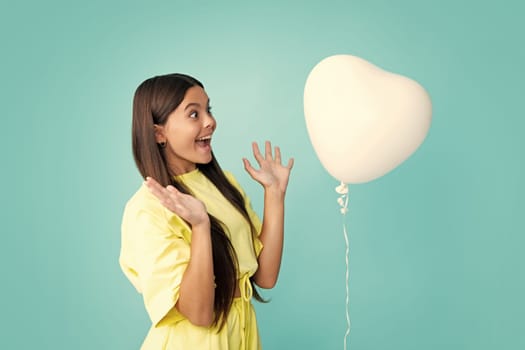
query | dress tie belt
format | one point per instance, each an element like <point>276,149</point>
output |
<point>246,290</point>
<point>245,287</point>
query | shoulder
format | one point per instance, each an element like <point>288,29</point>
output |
<point>231,178</point>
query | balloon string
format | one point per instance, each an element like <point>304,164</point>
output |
<point>342,189</point>
<point>347,289</point>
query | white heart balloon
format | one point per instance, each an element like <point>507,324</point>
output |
<point>362,120</point>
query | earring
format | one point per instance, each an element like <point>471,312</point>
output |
<point>162,144</point>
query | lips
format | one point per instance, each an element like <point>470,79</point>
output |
<point>204,138</point>
<point>204,141</point>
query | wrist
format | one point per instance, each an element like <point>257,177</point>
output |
<point>274,192</point>
<point>203,225</point>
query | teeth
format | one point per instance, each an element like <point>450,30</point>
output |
<point>204,138</point>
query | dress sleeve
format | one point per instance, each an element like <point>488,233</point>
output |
<point>161,253</point>
<point>251,213</point>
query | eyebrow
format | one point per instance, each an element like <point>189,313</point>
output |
<point>194,104</point>
<point>191,104</point>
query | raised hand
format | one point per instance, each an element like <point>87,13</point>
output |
<point>271,173</point>
<point>187,207</point>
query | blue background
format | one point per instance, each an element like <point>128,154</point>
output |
<point>436,245</point>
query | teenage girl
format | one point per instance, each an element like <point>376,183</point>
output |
<point>191,243</point>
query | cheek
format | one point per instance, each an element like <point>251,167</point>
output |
<point>178,132</point>
<point>184,136</point>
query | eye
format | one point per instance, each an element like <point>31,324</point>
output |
<point>209,110</point>
<point>194,115</point>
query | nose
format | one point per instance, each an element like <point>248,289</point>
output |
<point>209,122</point>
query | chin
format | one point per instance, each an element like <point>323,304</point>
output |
<point>205,161</point>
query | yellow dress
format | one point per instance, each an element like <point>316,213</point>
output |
<point>155,251</point>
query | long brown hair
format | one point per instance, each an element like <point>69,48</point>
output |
<point>153,102</point>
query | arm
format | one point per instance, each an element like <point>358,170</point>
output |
<point>197,291</point>
<point>272,235</point>
<point>273,176</point>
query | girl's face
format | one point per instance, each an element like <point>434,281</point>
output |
<point>188,132</point>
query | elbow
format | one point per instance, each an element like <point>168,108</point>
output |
<point>202,323</point>
<point>266,283</point>
<point>203,320</point>
<point>200,317</point>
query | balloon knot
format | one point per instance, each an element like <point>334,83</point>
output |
<point>342,189</point>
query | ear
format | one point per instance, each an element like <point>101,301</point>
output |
<point>159,133</point>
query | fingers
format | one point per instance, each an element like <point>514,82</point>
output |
<point>277,154</point>
<point>162,193</point>
<point>256,152</point>
<point>150,182</point>
<point>172,189</point>
<point>268,154</point>
<point>186,206</point>
<point>248,167</point>
<point>268,150</point>
<point>290,164</point>
<point>154,187</point>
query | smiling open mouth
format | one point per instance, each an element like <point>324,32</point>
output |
<point>204,141</point>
